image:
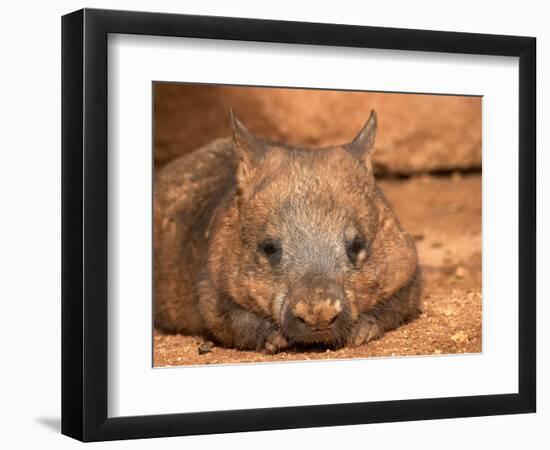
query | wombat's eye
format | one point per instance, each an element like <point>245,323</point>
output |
<point>271,249</point>
<point>354,248</point>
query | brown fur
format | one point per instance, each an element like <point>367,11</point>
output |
<point>260,245</point>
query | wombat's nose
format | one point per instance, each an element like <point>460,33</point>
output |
<point>316,303</point>
<point>319,315</point>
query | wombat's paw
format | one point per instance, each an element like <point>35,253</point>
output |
<point>365,331</point>
<point>274,343</point>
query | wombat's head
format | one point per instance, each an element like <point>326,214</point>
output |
<point>307,222</point>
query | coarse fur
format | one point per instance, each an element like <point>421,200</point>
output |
<point>261,245</point>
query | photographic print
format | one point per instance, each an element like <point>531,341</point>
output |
<point>307,224</point>
<point>327,207</point>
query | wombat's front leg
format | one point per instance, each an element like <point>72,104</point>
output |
<point>388,314</point>
<point>246,330</point>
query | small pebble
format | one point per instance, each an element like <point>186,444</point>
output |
<point>460,272</point>
<point>206,347</point>
<point>461,338</point>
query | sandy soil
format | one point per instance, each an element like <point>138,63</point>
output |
<point>444,216</point>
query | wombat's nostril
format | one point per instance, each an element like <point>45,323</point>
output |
<point>329,317</point>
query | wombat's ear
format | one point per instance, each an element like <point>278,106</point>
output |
<point>362,145</point>
<point>248,149</point>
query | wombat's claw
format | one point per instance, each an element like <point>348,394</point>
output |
<point>367,330</point>
<point>274,343</point>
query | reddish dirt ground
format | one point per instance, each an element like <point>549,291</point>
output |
<point>443,214</point>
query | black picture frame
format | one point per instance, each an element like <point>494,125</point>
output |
<point>84,224</point>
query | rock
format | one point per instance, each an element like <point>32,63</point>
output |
<point>460,338</point>
<point>417,133</point>
<point>460,272</point>
<point>206,347</point>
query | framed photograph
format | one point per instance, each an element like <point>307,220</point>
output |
<point>273,225</point>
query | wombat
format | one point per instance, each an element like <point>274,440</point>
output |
<point>262,245</point>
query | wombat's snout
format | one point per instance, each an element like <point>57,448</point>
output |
<point>316,311</point>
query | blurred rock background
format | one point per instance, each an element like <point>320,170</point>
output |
<point>416,134</point>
